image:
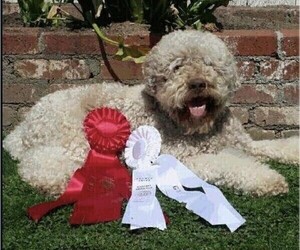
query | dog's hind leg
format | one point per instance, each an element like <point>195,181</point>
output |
<point>47,168</point>
<point>234,169</point>
<point>282,150</point>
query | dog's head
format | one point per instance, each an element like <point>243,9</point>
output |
<point>191,74</point>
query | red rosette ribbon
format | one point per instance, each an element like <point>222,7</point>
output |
<point>97,188</point>
<point>107,130</point>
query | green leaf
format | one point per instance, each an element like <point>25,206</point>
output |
<point>197,25</point>
<point>131,53</point>
<point>33,12</point>
<point>137,10</point>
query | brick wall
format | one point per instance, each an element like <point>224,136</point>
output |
<point>38,61</point>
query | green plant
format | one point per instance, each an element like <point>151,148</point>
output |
<point>162,16</point>
<point>156,13</point>
<point>34,12</point>
<point>42,13</point>
<point>92,10</point>
<point>194,14</point>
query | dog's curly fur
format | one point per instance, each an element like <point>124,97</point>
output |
<point>186,69</point>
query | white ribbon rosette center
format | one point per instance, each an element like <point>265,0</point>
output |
<point>142,147</point>
<point>170,175</point>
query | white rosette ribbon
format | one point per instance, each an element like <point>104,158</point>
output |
<point>171,176</point>
<point>143,208</point>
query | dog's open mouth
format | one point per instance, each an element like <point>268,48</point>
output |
<point>197,107</point>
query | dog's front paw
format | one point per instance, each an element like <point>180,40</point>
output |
<point>236,170</point>
<point>267,182</point>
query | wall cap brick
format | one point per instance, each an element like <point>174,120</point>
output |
<point>241,42</point>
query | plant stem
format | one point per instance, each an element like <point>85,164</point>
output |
<point>102,36</point>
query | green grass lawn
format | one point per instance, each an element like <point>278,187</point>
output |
<point>271,222</point>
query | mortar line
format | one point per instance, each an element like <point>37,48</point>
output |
<point>279,37</point>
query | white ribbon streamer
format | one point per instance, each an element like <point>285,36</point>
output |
<point>211,205</point>
<point>143,208</point>
<point>170,175</point>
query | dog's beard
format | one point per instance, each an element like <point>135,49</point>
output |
<point>199,111</point>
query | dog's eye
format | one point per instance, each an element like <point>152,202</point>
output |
<point>176,64</point>
<point>160,79</point>
<point>177,67</point>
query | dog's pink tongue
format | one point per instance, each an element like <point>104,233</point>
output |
<point>198,111</point>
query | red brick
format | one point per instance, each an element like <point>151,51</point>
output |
<point>291,94</point>
<point>261,134</point>
<point>22,112</point>
<point>61,86</point>
<point>19,93</point>
<point>8,116</point>
<point>86,42</point>
<point>52,69</point>
<point>33,68</point>
<point>250,42</point>
<point>276,116</point>
<point>270,69</point>
<point>62,42</point>
<point>119,70</point>
<point>255,94</point>
<point>21,41</point>
<point>69,69</point>
<point>241,113</point>
<point>289,133</point>
<point>278,70</point>
<point>154,39</point>
<point>143,42</point>
<point>290,42</point>
<point>246,69</point>
<point>145,39</point>
<point>134,34</point>
<point>290,70</point>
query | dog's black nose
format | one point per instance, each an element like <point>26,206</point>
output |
<point>197,84</point>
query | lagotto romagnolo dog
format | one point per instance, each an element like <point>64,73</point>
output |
<point>189,78</point>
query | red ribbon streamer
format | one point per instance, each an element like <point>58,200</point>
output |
<point>102,183</point>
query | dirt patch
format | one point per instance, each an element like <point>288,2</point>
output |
<point>127,28</point>
<point>12,20</point>
<point>120,29</point>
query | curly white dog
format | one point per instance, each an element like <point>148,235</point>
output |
<point>189,78</point>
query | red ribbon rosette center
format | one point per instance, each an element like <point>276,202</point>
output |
<point>102,183</point>
<point>107,130</point>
